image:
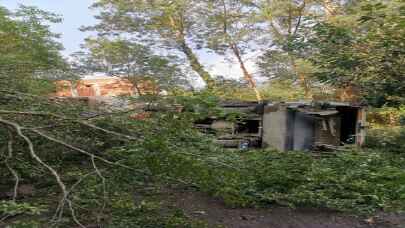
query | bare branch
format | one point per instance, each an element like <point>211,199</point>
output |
<point>33,154</point>
<point>104,187</point>
<point>12,171</point>
<point>120,135</point>
<point>73,213</point>
<point>15,174</point>
<point>301,11</point>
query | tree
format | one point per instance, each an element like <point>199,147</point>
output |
<point>28,48</point>
<point>284,20</point>
<point>167,22</point>
<point>364,50</point>
<point>228,28</point>
<point>124,58</point>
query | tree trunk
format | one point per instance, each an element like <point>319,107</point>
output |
<point>331,8</point>
<point>246,73</point>
<point>234,47</point>
<point>305,84</point>
<point>195,63</point>
<point>133,80</point>
<point>136,86</point>
<point>191,56</point>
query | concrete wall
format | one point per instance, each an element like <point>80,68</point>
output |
<point>289,129</point>
<point>304,132</point>
<point>275,129</point>
<point>285,130</point>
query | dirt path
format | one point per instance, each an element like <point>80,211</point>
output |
<point>200,206</point>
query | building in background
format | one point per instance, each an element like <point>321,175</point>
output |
<point>104,87</point>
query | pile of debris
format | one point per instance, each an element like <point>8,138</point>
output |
<point>244,133</point>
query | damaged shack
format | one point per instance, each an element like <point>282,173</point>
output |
<point>244,133</point>
<point>289,126</point>
<point>309,126</point>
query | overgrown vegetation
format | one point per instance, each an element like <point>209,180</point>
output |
<point>359,181</point>
<point>387,131</point>
<point>114,186</point>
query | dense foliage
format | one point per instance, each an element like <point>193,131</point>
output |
<point>28,49</point>
<point>161,23</point>
<point>363,48</point>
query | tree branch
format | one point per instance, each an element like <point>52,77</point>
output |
<point>120,135</point>
<point>302,8</point>
<point>104,187</point>
<point>33,154</point>
<point>12,171</point>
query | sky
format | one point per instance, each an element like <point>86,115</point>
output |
<point>76,13</point>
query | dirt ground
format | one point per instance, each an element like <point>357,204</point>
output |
<point>203,207</point>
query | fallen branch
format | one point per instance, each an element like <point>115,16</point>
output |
<point>104,188</point>
<point>10,151</point>
<point>12,171</point>
<point>82,122</point>
<point>33,154</point>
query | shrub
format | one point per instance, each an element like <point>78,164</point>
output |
<point>387,139</point>
<point>387,116</point>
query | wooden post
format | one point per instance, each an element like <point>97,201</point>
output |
<point>361,128</point>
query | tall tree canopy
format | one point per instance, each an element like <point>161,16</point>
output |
<point>28,48</point>
<point>228,28</point>
<point>363,47</point>
<point>169,23</point>
<point>284,20</point>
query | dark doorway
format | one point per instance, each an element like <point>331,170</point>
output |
<point>349,123</point>
<point>249,127</point>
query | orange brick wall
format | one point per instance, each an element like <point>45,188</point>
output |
<point>109,87</point>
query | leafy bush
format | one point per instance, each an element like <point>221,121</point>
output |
<point>387,116</point>
<point>387,132</point>
<point>387,139</point>
<point>362,182</point>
